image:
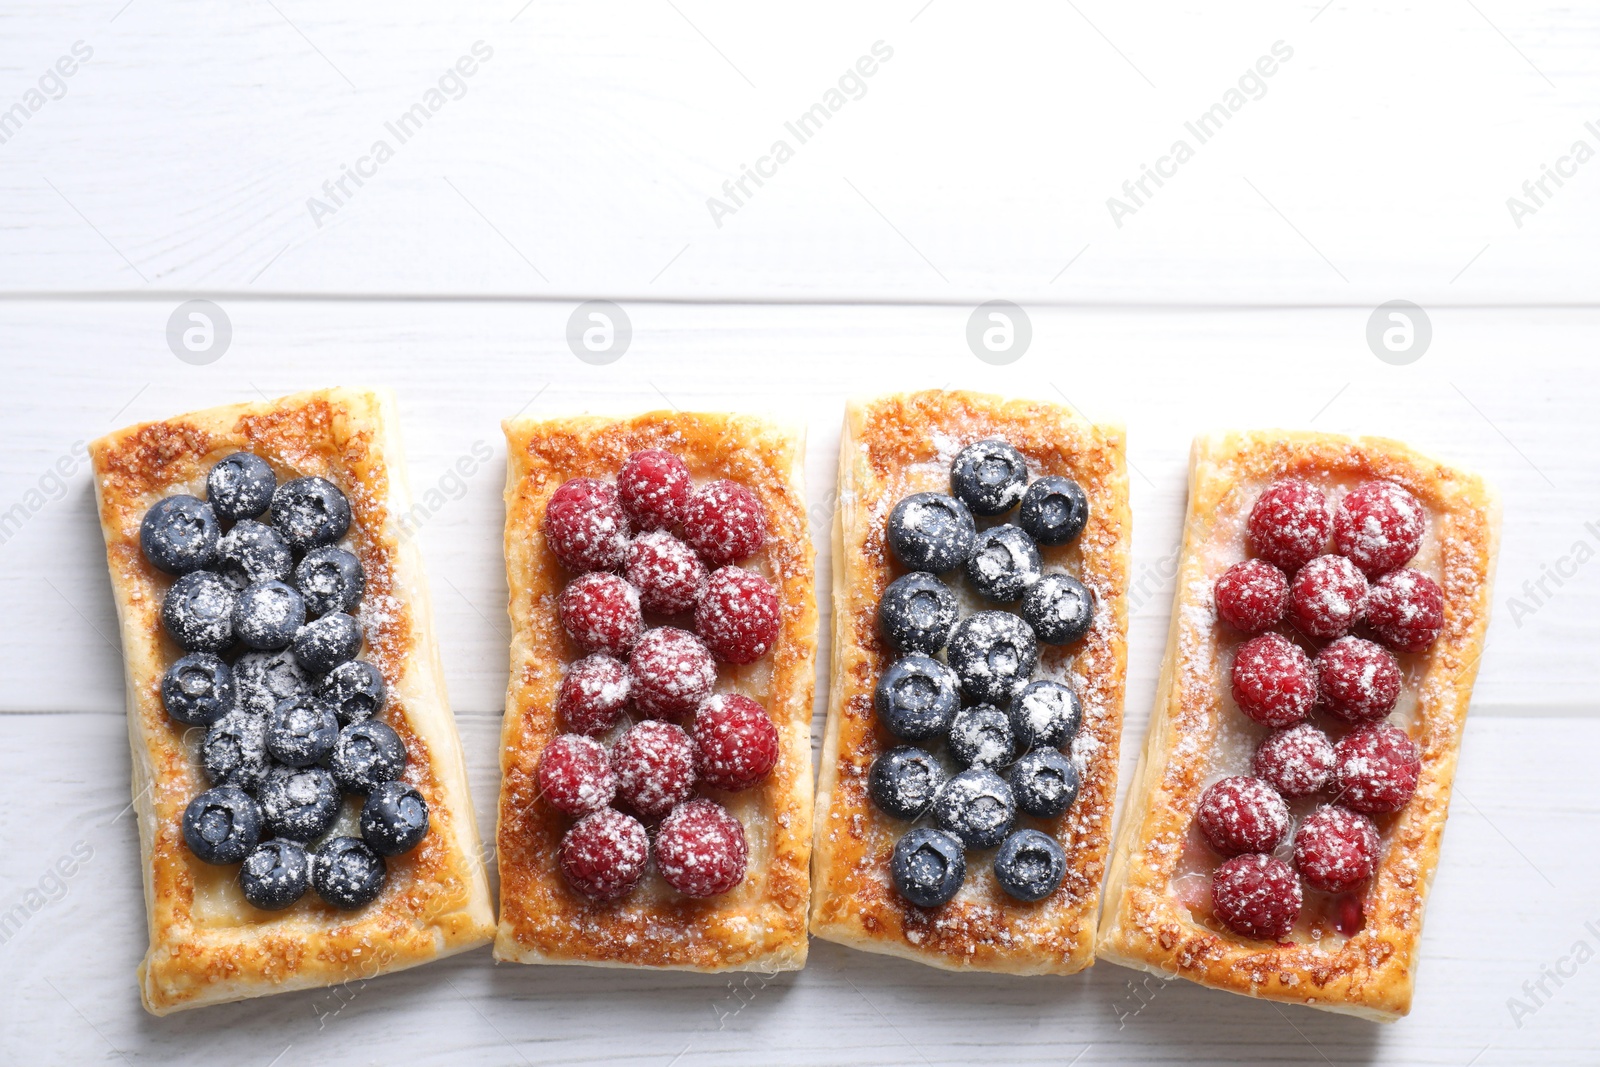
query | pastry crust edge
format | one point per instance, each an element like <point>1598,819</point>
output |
<point>176,975</point>
<point>1377,989</point>
<point>851,929</point>
<point>731,436</point>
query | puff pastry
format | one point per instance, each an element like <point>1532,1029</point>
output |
<point>893,446</point>
<point>761,923</point>
<point>207,945</point>
<point>1154,919</point>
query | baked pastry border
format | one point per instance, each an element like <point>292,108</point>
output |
<point>1371,975</point>
<point>436,901</point>
<point>760,925</point>
<point>853,901</point>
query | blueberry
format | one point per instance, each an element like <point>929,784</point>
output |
<point>310,512</point>
<point>916,613</point>
<point>267,615</point>
<point>299,803</point>
<point>1059,608</point>
<point>917,698</point>
<point>180,535</point>
<point>331,579</point>
<point>1004,562</point>
<point>903,781</point>
<point>354,690</point>
<point>234,751</point>
<point>198,612</point>
<point>266,679</point>
<point>976,805</point>
<point>1030,865</point>
<point>1054,510</point>
<point>930,532</point>
<point>394,819</point>
<point>1044,782</point>
<point>275,875</point>
<point>254,552</point>
<point>301,731</point>
<point>366,755</point>
<point>347,873</point>
<point>981,736</point>
<point>990,476</point>
<point>993,653</point>
<point>1045,714</point>
<point>928,867</point>
<point>323,644</point>
<point>197,690</point>
<point>240,487</point>
<point>222,825</point>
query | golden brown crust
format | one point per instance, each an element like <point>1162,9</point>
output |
<point>1146,923</point>
<point>207,945</point>
<point>760,924</point>
<point>897,445</point>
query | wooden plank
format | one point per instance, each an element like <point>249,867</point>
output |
<point>1495,921</point>
<point>1509,394</point>
<point>977,160</point>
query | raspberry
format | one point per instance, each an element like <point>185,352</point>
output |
<point>1336,849</point>
<point>666,572</point>
<point>585,526</point>
<point>593,694</point>
<point>738,615</point>
<point>1289,524</point>
<point>575,775</point>
<point>701,850</point>
<point>735,743</point>
<point>724,522</point>
<point>1252,596</point>
<point>1406,610</point>
<point>654,762</point>
<point>1242,814</point>
<point>1272,681</point>
<point>604,854</point>
<point>1327,597</point>
<point>672,672</point>
<point>1376,769</point>
<point>1256,896</point>
<point>1378,527</point>
<point>1348,916</point>
<point>601,613</point>
<point>1357,681</point>
<point>654,487</point>
<point>1296,762</point>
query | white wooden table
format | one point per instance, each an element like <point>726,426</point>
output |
<point>177,163</point>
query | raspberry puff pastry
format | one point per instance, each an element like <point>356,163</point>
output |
<point>980,559</point>
<point>430,898</point>
<point>1284,824</point>
<point>655,805</point>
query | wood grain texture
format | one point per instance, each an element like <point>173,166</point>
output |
<point>1375,161</point>
<point>181,156</point>
<point>1508,393</point>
